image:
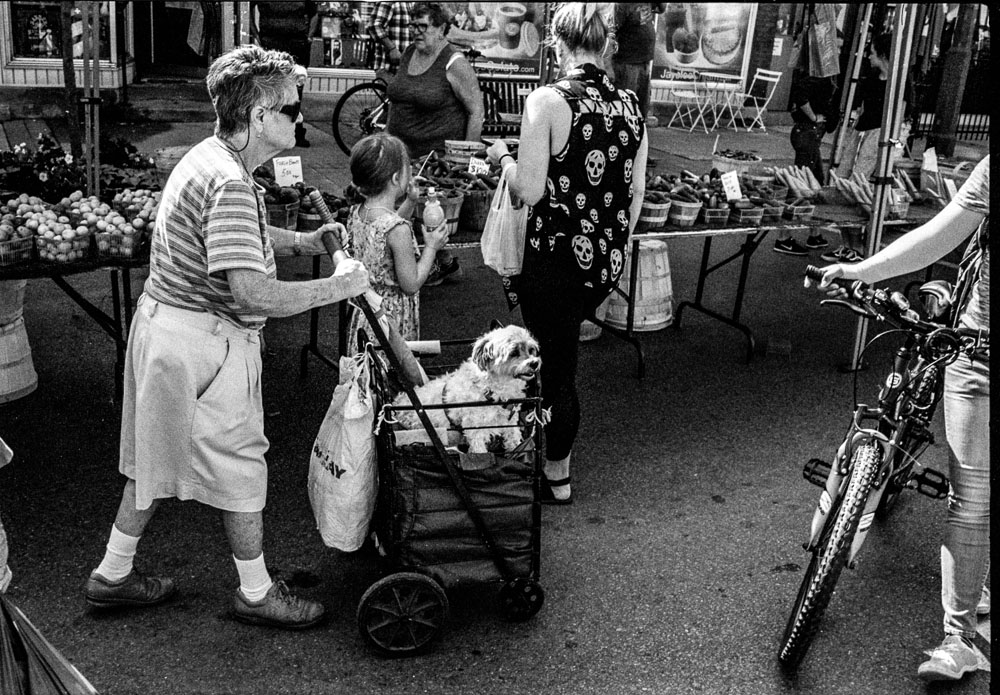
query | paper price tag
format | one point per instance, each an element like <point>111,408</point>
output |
<point>731,185</point>
<point>930,160</point>
<point>287,170</point>
<point>478,166</point>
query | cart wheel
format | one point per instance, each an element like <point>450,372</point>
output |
<point>521,598</point>
<point>401,614</point>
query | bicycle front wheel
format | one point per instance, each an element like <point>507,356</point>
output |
<point>828,559</point>
<point>362,110</point>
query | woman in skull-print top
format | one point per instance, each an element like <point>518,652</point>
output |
<point>581,168</point>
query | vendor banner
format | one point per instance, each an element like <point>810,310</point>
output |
<point>507,34</point>
<point>696,37</point>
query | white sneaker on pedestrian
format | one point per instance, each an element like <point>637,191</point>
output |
<point>950,660</point>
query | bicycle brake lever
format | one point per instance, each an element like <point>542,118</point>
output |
<point>860,311</point>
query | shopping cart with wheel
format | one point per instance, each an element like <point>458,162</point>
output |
<point>445,517</point>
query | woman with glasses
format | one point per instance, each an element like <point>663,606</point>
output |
<point>192,414</point>
<point>581,167</point>
<point>435,97</point>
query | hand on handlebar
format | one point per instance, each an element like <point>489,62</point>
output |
<point>828,280</point>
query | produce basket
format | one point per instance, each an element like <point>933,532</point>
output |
<point>780,192</point>
<point>715,217</point>
<point>799,213</point>
<point>284,215</point>
<point>740,166</point>
<point>459,151</point>
<point>759,179</point>
<point>115,245</point>
<point>308,222</point>
<point>475,209</point>
<point>17,250</point>
<point>898,211</point>
<point>746,216</point>
<point>652,215</point>
<point>451,203</point>
<point>683,214</point>
<point>771,213</point>
<point>63,251</point>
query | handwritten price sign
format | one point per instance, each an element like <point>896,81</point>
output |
<point>287,170</point>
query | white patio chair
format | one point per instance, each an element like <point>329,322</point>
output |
<point>690,103</point>
<point>755,99</point>
<point>719,91</point>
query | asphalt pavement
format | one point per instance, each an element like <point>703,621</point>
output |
<point>673,572</point>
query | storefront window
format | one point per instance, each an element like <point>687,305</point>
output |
<point>36,30</point>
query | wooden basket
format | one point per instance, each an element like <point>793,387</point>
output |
<point>114,245</point>
<point>284,215</point>
<point>746,216</point>
<point>652,215</point>
<point>459,151</point>
<point>715,217</point>
<point>475,209</point>
<point>683,214</point>
<point>14,251</point>
<point>799,213</point>
<point>740,166</point>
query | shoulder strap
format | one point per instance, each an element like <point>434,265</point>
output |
<point>454,56</point>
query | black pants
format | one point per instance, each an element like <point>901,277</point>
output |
<point>806,139</point>
<point>553,307</point>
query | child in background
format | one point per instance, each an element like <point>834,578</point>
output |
<point>380,234</point>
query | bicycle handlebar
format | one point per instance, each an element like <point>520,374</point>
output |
<point>883,304</point>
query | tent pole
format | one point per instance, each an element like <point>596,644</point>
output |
<point>853,71</point>
<point>892,117</point>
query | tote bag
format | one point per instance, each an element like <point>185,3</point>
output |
<point>502,242</point>
<point>342,467</point>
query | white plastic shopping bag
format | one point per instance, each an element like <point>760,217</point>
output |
<point>342,470</point>
<point>503,234</point>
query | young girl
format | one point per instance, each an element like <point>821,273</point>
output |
<point>380,234</point>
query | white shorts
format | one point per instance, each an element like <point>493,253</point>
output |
<point>192,414</point>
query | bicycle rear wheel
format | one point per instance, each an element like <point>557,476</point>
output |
<point>828,559</point>
<point>362,110</point>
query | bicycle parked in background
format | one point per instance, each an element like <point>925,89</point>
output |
<point>364,108</point>
<point>879,457</point>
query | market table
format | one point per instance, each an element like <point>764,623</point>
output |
<point>119,271</point>
<point>824,215</point>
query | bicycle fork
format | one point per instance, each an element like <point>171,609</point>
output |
<point>838,477</point>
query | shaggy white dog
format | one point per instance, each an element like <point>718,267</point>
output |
<point>501,364</point>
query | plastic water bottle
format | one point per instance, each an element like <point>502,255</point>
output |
<point>433,212</point>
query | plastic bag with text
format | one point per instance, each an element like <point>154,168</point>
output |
<point>503,234</point>
<point>343,477</point>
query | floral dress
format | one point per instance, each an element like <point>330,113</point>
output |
<point>580,226</point>
<point>368,245</point>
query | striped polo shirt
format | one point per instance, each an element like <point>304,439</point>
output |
<point>211,219</point>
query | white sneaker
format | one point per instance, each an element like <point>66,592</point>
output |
<point>983,607</point>
<point>949,661</point>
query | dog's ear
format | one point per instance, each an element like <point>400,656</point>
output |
<point>482,353</point>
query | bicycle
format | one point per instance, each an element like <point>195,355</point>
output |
<point>364,108</point>
<point>879,457</point>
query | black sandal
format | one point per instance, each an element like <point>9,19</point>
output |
<point>548,497</point>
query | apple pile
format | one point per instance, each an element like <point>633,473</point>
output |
<point>58,237</point>
<point>13,230</point>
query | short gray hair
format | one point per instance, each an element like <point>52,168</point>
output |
<point>245,77</point>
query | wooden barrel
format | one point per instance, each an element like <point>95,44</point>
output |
<point>591,331</point>
<point>654,294</point>
<point>11,300</point>
<point>17,372</point>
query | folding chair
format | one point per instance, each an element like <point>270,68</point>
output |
<point>690,103</point>
<point>719,91</point>
<point>757,98</point>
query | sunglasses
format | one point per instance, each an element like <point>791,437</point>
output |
<point>291,110</point>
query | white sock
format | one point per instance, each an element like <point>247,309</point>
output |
<point>117,562</point>
<point>557,470</point>
<point>255,581</point>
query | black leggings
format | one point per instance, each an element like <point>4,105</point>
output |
<point>553,307</point>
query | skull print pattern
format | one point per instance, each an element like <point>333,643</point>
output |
<point>582,221</point>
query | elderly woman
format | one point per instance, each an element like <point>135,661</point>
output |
<point>435,95</point>
<point>192,416</point>
<point>581,168</point>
